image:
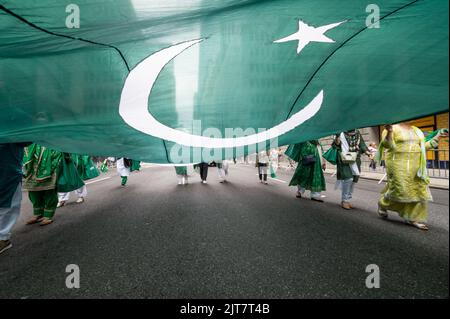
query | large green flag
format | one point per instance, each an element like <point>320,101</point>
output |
<point>177,80</point>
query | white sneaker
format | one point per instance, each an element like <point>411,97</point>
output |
<point>80,200</point>
<point>204,182</point>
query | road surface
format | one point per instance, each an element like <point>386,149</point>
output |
<point>242,239</point>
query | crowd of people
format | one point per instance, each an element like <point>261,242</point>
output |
<point>50,176</point>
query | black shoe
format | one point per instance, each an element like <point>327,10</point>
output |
<point>5,245</point>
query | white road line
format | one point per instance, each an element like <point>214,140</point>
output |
<point>275,179</point>
<point>98,180</point>
<point>278,180</point>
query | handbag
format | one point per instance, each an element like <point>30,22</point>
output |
<point>308,160</point>
<point>68,179</point>
<point>349,157</point>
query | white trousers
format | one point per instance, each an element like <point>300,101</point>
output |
<point>81,192</point>
<point>313,194</point>
<point>223,170</point>
<point>182,179</point>
<point>9,215</point>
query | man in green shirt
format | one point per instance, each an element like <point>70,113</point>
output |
<point>349,145</point>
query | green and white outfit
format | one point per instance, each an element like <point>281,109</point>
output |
<point>182,175</point>
<point>309,174</point>
<point>87,170</point>
<point>123,169</point>
<point>41,166</point>
<point>348,173</point>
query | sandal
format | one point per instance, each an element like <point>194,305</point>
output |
<point>46,221</point>
<point>418,225</point>
<point>35,220</point>
<point>383,213</point>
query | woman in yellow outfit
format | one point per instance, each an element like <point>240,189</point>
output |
<point>406,191</point>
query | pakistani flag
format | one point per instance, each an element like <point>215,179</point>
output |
<point>172,81</point>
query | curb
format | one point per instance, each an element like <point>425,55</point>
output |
<point>377,179</point>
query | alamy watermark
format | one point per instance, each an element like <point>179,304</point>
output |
<point>184,154</point>
<point>373,279</point>
<point>73,279</point>
<point>373,19</point>
<point>73,19</point>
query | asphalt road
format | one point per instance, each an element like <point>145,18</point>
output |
<point>242,239</point>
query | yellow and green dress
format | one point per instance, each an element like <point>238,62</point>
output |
<point>41,167</point>
<point>406,191</point>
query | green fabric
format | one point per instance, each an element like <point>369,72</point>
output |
<point>135,165</point>
<point>433,134</point>
<point>273,173</point>
<point>104,166</point>
<point>293,152</point>
<point>69,179</point>
<point>41,167</point>
<point>61,87</point>
<point>309,177</point>
<point>344,171</point>
<point>44,202</point>
<point>85,167</point>
<point>181,170</point>
<point>331,155</point>
<point>124,180</point>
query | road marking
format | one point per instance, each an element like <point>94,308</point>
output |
<point>278,180</point>
<point>98,180</point>
<point>275,179</point>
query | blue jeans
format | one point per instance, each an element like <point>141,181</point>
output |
<point>9,215</point>
<point>347,190</point>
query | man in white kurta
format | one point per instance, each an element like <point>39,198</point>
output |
<point>123,169</point>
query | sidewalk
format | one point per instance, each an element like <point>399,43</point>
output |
<point>441,183</point>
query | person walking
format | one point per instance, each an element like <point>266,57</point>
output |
<point>222,169</point>
<point>349,145</point>
<point>182,175</point>
<point>309,172</point>
<point>41,168</point>
<point>203,171</point>
<point>87,170</point>
<point>373,152</point>
<point>124,168</point>
<point>406,192</point>
<point>262,163</point>
<point>10,190</point>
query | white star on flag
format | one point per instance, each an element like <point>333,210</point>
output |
<point>307,34</point>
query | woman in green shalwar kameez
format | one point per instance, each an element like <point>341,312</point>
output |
<point>87,170</point>
<point>40,170</point>
<point>309,172</point>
